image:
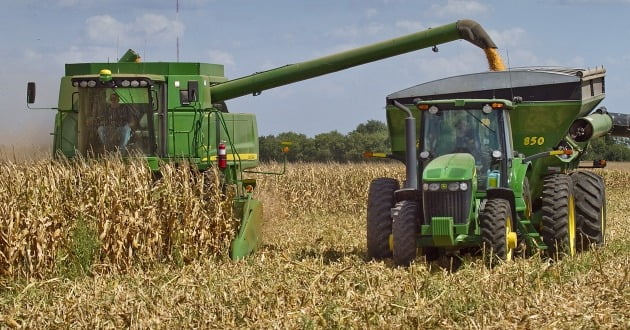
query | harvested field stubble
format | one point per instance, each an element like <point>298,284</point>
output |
<point>311,273</point>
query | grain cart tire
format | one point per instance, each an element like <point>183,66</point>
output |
<point>497,231</point>
<point>558,216</point>
<point>589,190</point>
<point>405,230</point>
<point>379,218</point>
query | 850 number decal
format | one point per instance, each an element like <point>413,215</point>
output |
<point>533,140</point>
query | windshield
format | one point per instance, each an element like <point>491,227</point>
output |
<point>113,120</point>
<point>464,131</point>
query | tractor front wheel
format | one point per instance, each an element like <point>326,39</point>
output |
<point>379,219</point>
<point>405,230</point>
<point>558,216</point>
<point>590,209</point>
<point>497,231</point>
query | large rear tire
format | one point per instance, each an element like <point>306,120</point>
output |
<point>590,209</point>
<point>497,231</point>
<point>558,216</point>
<point>379,219</point>
<point>405,229</point>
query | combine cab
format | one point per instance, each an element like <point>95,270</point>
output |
<point>496,166</point>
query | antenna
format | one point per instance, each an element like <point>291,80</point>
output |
<point>177,21</point>
<point>509,68</point>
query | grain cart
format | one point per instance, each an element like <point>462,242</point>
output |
<point>496,166</point>
<point>176,111</point>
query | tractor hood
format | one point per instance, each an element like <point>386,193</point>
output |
<point>451,167</point>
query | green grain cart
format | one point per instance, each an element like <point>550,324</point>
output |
<point>172,112</point>
<point>494,165</point>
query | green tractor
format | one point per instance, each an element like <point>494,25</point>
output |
<point>176,112</point>
<point>494,167</point>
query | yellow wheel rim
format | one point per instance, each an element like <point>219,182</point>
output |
<point>571,228</point>
<point>391,242</point>
<point>510,239</point>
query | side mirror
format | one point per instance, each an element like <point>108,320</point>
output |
<point>191,94</point>
<point>183,97</point>
<point>193,91</point>
<point>30,92</point>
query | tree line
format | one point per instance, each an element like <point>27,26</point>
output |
<point>374,136</point>
<point>327,147</point>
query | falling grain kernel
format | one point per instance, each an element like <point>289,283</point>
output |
<point>494,59</point>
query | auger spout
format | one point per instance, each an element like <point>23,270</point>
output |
<point>464,29</point>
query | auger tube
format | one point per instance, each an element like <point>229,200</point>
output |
<point>464,29</point>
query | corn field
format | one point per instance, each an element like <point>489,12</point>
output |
<point>105,245</point>
<point>108,215</point>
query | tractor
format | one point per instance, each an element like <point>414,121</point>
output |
<point>492,167</point>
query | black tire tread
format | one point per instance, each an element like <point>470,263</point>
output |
<point>590,208</point>
<point>557,189</point>
<point>379,220</point>
<point>405,229</point>
<point>492,221</point>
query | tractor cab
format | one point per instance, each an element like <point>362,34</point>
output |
<point>467,131</point>
<point>116,114</point>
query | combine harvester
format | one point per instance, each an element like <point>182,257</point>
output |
<point>174,112</point>
<point>492,161</point>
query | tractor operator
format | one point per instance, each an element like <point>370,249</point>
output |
<point>115,124</point>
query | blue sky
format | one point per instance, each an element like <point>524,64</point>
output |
<point>38,37</point>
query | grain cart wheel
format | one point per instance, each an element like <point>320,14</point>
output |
<point>497,231</point>
<point>405,230</point>
<point>558,215</point>
<point>379,219</point>
<point>590,209</point>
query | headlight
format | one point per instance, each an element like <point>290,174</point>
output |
<point>91,83</point>
<point>453,186</point>
<point>463,186</point>
<point>434,186</point>
<point>425,186</point>
<point>125,83</point>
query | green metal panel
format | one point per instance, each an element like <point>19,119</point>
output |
<point>540,126</point>
<point>66,91</point>
<point>250,234</point>
<point>451,167</point>
<point>65,140</point>
<point>157,68</point>
<point>442,229</point>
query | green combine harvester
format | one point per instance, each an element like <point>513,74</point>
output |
<point>492,161</point>
<point>173,112</point>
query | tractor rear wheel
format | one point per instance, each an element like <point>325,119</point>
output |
<point>558,216</point>
<point>405,230</point>
<point>379,218</point>
<point>497,231</point>
<point>590,209</point>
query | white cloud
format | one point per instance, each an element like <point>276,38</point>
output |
<point>509,38</point>
<point>412,26</point>
<point>106,30</point>
<point>371,12</point>
<point>218,56</point>
<point>358,31</point>
<point>458,8</point>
